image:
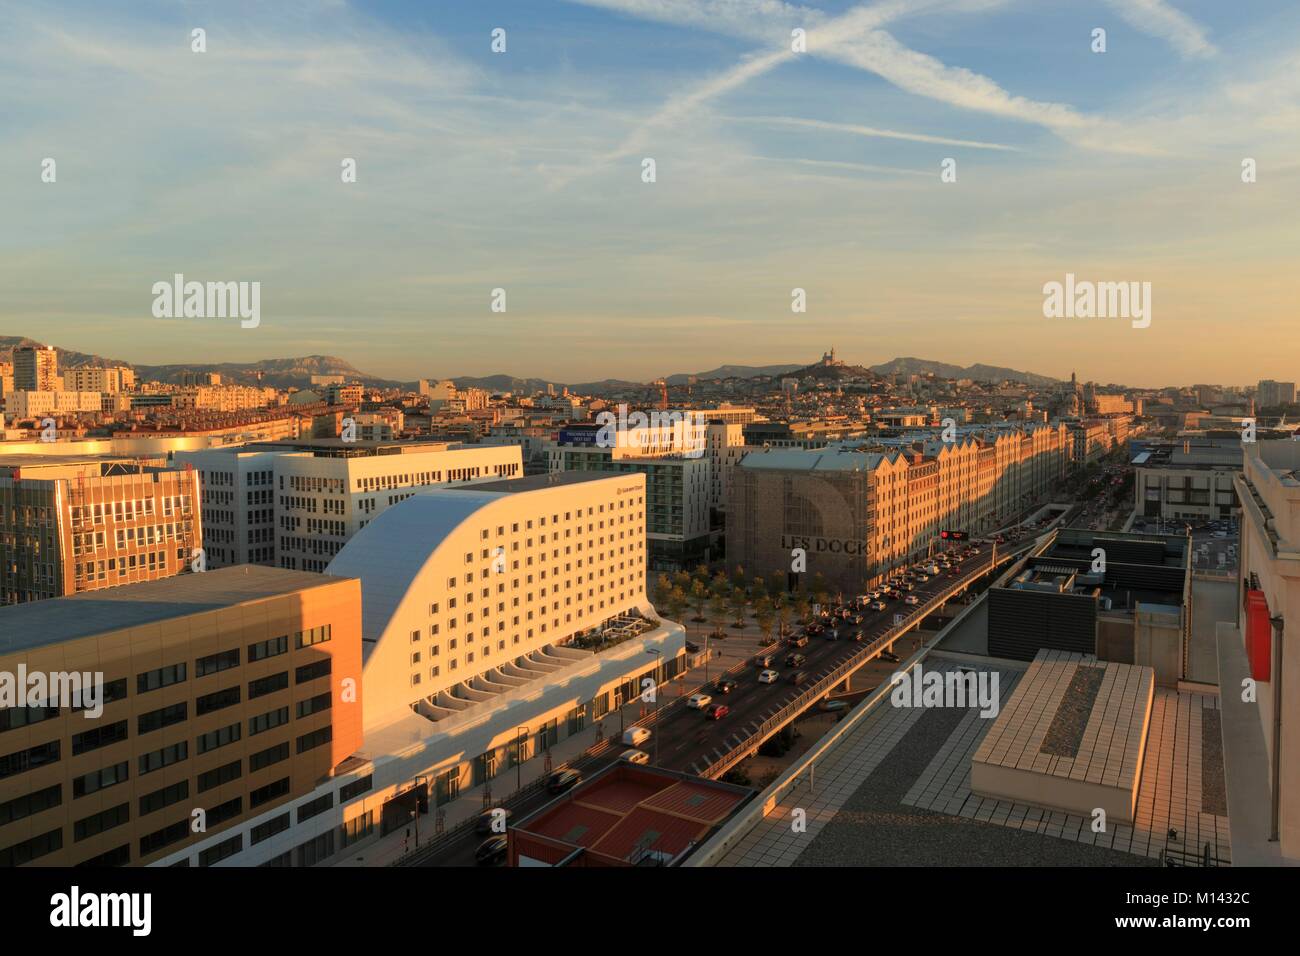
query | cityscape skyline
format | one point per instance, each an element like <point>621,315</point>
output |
<point>776,171</point>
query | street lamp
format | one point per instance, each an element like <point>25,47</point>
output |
<point>658,667</point>
<point>418,779</point>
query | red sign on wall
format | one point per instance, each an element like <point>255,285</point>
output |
<point>1259,635</point>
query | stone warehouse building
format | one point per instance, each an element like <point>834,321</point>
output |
<point>857,513</point>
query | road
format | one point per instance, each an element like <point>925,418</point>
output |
<point>683,739</point>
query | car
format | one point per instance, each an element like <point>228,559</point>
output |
<point>563,780</point>
<point>698,701</point>
<point>797,678</point>
<point>813,629</point>
<point>492,851</point>
<point>859,636</point>
<point>890,656</point>
<point>764,660</point>
<point>922,578</point>
<point>878,606</point>
<point>498,816</point>
<point>724,685</point>
<point>717,712</point>
<point>834,706</point>
<point>833,634</point>
<point>634,756</point>
<point>768,676</point>
<point>912,599</point>
<point>795,660</point>
<point>802,639</point>
<point>857,619</point>
<point>635,736</point>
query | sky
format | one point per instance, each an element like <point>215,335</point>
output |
<point>774,170</point>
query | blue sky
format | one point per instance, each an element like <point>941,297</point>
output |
<point>775,170</point>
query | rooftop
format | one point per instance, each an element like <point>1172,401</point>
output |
<point>42,623</point>
<point>556,479</point>
<point>630,814</point>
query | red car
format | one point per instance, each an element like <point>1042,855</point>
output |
<point>717,711</point>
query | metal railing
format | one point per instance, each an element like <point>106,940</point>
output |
<point>791,710</point>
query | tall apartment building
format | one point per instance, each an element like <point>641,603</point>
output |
<point>674,459</point>
<point>725,446</point>
<point>89,379</point>
<point>1270,393</point>
<point>221,697</point>
<point>295,504</point>
<point>36,369</point>
<point>1256,651</point>
<point>68,526</point>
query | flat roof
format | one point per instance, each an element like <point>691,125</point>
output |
<point>555,479</point>
<point>626,811</point>
<point>42,623</point>
<point>1076,717</point>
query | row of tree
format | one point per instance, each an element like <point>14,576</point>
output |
<point>718,597</point>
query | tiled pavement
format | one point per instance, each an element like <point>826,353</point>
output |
<point>1169,793</point>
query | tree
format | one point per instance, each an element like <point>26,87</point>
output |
<point>676,603</point>
<point>782,615</point>
<point>663,588</point>
<point>720,584</point>
<point>699,598</point>
<point>718,612</point>
<point>763,614</point>
<point>738,604</point>
<point>802,608</point>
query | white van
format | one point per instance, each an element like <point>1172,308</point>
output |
<point>635,736</point>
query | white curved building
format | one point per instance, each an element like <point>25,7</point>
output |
<point>469,592</point>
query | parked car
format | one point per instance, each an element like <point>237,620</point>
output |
<point>717,711</point>
<point>492,851</point>
<point>795,660</point>
<point>563,780</point>
<point>634,756</point>
<point>698,701</point>
<point>768,677</point>
<point>635,736</point>
<point>724,685</point>
<point>490,816</point>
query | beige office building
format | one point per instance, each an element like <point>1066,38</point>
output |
<point>222,697</point>
<point>72,525</point>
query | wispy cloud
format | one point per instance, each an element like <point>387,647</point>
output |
<point>1159,19</point>
<point>854,129</point>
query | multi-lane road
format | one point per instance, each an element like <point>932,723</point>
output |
<point>685,739</point>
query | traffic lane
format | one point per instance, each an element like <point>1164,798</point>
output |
<point>687,737</point>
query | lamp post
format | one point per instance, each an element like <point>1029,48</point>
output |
<point>658,667</point>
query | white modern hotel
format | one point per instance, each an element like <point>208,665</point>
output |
<point>498,619</point>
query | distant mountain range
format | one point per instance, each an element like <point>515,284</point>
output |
<point>67,357</point>
<point>978,372</point>
<point>297,372</point>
